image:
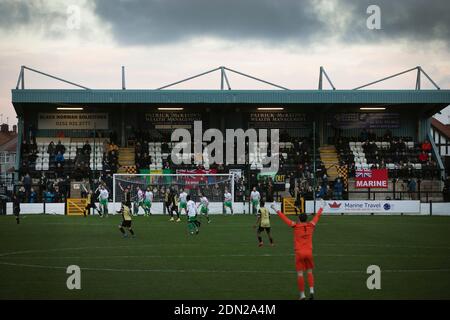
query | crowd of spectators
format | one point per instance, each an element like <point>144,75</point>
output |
<point>400,155</point>
<point>296,164</point>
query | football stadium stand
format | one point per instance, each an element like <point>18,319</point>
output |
<point>326,136</point>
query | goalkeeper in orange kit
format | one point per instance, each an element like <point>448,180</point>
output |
<point>303,234</point>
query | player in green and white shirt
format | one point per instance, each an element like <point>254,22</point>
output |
<point>193,223</point>
<point>139,201</point>
<point>255,197</point>
<point>103,199</point>
<point>227,201</point>
<point>183,201</point>
<point>203,205</point>
<point>148,201</point>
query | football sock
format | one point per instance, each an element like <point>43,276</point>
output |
<point>122,230</point>
<point>259,239</point>
<point>301,285</point>
<point>131,231</point>
<point>311,281</point>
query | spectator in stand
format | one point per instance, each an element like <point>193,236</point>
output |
<point>60,148</point>
<point>166,165</point>
<point>22,195</point>
<point>325,180</point>
<point>48,196</point>
<point>27,183</point>
<point>87,148</point>
<point>59,159</point>
<point>113,161</point>
<point>57,196</point>
<point>423,157</point>
<point>412,188</point>
<point>112,147</point>
<point>322,191</point>
<point>59,170</point>
<point>33,196</point>
<point>43,181</point>
<point>64,186</point>
<point>338,189</point>
<point>51,149</point>
<point>426,146</point>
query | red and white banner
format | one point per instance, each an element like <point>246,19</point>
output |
<point>193,177</point>
<point>375,178</point>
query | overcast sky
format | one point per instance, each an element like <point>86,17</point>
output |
<point>161,41</point>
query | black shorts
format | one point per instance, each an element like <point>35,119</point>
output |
<point>261,229</point>
<point>126,223</point>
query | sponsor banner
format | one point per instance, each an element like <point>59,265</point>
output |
<point>172,117</point>
<point>80,121</point>
<point>267,120</point>
<point>361,120</point>
<point>376,178</point>
<point>279,180</point>
<point>369,206</point>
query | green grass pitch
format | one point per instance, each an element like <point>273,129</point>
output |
<point>223,261</point>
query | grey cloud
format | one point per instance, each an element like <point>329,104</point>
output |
<point>14,13</point>
<point>155,21</point>
<point>302,21</point>
<point>33,15</point>
<point>418,20</point>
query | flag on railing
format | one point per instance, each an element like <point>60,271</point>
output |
<point>343,173</point>
<point>375,178</point>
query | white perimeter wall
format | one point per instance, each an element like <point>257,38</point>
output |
<point>239,207</point>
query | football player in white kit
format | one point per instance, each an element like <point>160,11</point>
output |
<point>183,201</point>
<point>103,199</point>
<point>193,224</point>
<point>203,205</point>
<point>148,201</point>
<point>139,202</point>
<point>255,197</point>
<point>227,201</point>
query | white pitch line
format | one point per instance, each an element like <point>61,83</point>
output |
<point>194,244</point>
<point>222,256</point>
<point>217,271</point>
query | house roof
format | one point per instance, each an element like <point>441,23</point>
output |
<point>8,141</point>
<point>442,128</point>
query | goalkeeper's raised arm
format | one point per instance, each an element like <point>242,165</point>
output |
<point>302,217</point>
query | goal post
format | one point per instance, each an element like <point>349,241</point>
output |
<point>212,184</point>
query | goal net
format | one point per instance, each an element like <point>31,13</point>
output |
<point>212,185</point>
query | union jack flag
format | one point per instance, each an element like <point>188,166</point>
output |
<point>363,173</point>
